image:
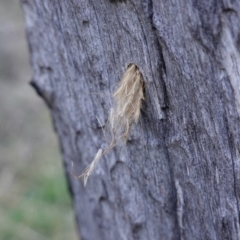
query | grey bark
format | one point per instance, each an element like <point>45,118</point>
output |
<point>178,175</point>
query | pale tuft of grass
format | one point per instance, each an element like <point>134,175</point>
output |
<point>126,111</point>
<point>128,101</point>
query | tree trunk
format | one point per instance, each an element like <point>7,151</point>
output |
<point>178,175</point>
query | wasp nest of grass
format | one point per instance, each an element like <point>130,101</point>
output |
<point>126,111</point>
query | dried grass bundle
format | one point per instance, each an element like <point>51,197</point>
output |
<point>128,100</point>
<point>126,110</point>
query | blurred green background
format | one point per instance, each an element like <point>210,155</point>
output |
<point>34,201</point>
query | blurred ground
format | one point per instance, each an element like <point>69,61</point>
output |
<point>34,202</point>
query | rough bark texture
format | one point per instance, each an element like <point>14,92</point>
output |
<point>178,175</point>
